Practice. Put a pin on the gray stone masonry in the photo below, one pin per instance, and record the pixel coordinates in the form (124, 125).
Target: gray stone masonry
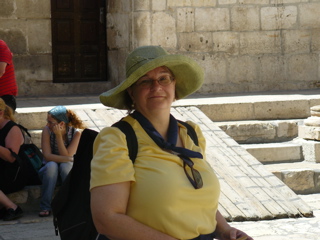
(244, 46)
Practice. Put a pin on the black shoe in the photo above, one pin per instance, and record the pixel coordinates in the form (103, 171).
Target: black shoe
(13, 214)
(2, 212)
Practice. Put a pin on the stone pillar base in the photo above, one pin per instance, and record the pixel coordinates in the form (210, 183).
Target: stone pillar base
(309, 132)
(311, 151)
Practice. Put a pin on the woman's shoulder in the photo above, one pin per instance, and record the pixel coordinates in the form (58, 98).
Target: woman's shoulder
(10, 124)
(11, 128)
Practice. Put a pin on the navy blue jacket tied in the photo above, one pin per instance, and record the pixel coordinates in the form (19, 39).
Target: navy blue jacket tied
(172, 136)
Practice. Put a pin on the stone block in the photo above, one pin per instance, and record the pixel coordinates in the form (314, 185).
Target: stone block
(36, 137)
(219, 19)
(7, 9)
(313, 121)
(141, 5)
(260, 42)
(34, 192)
(228, 112)
(118, 34)
(315, 40)
(117, 71)
(317, 180)
(33, 9)
(300, 181)
(287, 1)
(245, 18)
(39, 37)
(311, 151)
(296, 41)
(272, 71)
(32, 68)
(242, 69)
(159, 5)
(227, 42)
(275, 153)
(287, 129)
(204, 3)
(309, 15)
(19, 197)
(120, 6)
(294, 109)
(215, 67)
(249, 131)
(222, 2)
(32, 121)
(185, 19)
(253, 2)
(308, 132)
(278, 174)
(275, 18)
(191, 3)
(164, 30)
(16, 40)
(195, 42)
(142, 23)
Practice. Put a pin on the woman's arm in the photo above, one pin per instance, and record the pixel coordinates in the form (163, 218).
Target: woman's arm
(225, 232)
(72, 147)
(3, 66)
(108, 207)
(13, 141)
(46, 149)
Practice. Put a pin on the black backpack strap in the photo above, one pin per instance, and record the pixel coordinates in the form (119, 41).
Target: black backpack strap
(191, 132)
(132, 141)
(131, 138)
(24, 129)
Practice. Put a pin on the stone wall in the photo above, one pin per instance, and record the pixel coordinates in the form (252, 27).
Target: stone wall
(243, 45)
(25, 25)
(26, 28)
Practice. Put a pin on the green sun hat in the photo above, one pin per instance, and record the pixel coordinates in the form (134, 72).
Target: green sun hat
(188, 74)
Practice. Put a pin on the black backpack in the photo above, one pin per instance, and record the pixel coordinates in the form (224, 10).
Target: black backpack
(30, 158)
(71, 205)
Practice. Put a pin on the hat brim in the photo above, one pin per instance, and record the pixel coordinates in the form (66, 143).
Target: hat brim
(187, 72)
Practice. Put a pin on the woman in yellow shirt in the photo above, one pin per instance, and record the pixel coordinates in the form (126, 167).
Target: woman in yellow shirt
(170, 192)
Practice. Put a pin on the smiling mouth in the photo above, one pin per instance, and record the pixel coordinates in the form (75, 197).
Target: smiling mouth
(157, 96)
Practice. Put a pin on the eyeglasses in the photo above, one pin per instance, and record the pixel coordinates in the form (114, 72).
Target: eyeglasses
(147, 83)
(195, 177)
(51, 123)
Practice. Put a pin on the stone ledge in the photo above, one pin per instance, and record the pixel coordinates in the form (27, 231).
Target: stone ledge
(26, 194)
(302, 178)
(28, 198)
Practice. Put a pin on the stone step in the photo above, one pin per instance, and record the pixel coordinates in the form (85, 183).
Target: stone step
(301, 177)
(283, 152)
(296, 150)
(219, 108)
(28, 198)
(36, 137)
(263, 131)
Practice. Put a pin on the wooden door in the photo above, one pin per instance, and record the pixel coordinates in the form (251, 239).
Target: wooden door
(78, 40)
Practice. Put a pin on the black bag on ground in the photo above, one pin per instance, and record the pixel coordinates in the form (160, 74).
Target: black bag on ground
(72, 217)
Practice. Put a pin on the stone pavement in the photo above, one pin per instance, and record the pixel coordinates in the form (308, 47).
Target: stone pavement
(32, 227)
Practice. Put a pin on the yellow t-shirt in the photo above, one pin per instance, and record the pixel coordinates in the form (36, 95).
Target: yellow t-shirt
(161, 195)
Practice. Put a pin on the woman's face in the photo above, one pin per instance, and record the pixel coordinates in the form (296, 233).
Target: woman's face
(153, 91)
(51, 122)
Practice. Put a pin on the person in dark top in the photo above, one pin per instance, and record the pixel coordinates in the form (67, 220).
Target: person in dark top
(11, 173)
